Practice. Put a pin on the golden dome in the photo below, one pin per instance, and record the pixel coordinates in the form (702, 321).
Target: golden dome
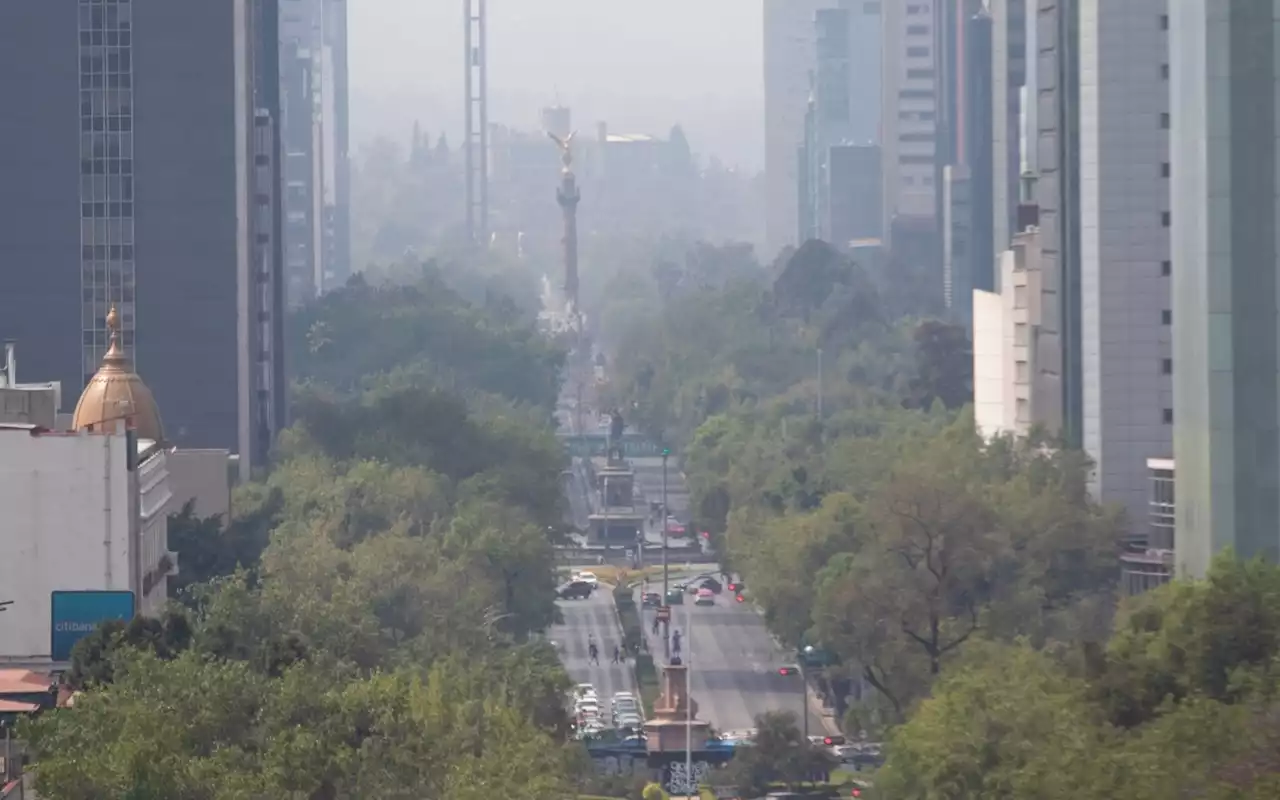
(117, 393)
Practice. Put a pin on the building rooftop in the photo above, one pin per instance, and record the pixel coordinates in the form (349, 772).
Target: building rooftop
(629, 138)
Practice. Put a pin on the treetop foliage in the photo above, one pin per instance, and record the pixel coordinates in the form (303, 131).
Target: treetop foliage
(366, 622)
(1180, 702)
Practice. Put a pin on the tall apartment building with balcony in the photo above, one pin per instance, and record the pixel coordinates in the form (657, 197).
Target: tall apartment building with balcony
(315, 136)
(141, 180)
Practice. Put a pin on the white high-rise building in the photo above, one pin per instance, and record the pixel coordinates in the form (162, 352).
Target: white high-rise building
(1124, 207)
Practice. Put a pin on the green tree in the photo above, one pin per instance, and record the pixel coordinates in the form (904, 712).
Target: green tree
(1215, 638)
(780, 754)
(93, 657)
(1007, 725)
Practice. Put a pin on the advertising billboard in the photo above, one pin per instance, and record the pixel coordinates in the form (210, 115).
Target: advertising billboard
(76, 614)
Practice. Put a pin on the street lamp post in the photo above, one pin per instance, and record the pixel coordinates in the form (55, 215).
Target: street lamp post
(665, 577)
(688, 697)
(804, 692)
(604, 534)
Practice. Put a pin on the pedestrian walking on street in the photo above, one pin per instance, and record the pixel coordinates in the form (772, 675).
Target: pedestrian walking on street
(656, 623)
(617, 654)
(593, 653)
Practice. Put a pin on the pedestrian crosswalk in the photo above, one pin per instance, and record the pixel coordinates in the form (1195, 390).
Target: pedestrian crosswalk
(592, 621)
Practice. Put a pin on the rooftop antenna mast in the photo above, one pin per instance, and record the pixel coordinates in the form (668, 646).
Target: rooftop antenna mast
(477, 123)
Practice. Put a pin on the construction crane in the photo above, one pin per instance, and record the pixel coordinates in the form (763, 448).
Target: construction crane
(477, 123)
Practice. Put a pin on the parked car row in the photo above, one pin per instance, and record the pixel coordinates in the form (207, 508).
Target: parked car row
(588, 717)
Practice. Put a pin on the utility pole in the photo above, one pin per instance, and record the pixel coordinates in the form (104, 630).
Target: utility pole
(477, 122)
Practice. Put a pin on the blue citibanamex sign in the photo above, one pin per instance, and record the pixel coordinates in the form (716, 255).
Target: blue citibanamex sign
(76, 614)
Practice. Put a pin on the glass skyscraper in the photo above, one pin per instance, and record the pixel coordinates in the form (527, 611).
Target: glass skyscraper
(1226, 353)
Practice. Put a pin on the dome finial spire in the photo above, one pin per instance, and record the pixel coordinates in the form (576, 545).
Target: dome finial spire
(114, 355)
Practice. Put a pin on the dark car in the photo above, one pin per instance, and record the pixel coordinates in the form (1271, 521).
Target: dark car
(651, 600)
(712, 584)
(575, 590)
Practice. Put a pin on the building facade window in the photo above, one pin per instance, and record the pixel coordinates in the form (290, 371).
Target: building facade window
(1167, 416)
(105, 55)
(1165, 169)
(1166, 366)
(1166, 268)
(1166, 218)
(1166, 316)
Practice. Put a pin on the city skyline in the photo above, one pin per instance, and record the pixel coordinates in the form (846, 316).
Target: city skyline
(406, 66)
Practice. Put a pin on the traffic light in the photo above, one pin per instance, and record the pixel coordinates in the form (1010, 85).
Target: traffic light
(666, 451)
(786, 671)
(828, 741)
(735, 586)
(740, 599)
(855, 792)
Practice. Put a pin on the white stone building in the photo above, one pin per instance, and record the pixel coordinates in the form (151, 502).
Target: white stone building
(1015, 379)
(83, 511)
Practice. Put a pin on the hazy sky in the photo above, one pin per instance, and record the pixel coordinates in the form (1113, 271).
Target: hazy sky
(641, 65)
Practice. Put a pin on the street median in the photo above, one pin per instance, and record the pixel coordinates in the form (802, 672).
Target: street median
(633, 639)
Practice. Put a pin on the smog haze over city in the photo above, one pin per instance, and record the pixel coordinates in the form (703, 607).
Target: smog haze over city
(639, 399)
(643, 65)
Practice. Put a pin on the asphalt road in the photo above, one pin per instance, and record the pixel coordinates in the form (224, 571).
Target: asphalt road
(582, 620)
(734, 664)
(649, 484)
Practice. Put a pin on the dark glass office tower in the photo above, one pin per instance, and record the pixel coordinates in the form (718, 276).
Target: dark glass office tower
(316, 171)
(140, 179)
(979, 137)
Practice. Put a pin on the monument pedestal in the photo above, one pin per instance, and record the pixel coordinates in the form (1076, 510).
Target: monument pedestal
(670, 729)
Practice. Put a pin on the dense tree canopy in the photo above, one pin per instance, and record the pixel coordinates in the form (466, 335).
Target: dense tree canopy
(1182, 702)
(364, 624)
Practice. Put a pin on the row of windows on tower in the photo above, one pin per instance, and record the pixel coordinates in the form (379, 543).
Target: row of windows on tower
(113, 123)
(98, 80)
(115, 61)
(100, 38)
(98, 294)
(98, 338)
(106, 166)
(105, 210)
(103, 252)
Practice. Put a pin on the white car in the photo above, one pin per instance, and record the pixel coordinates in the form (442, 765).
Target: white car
(587, 577)
(629, 721)
(623, 709)
(623, 696)
(584, 689)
